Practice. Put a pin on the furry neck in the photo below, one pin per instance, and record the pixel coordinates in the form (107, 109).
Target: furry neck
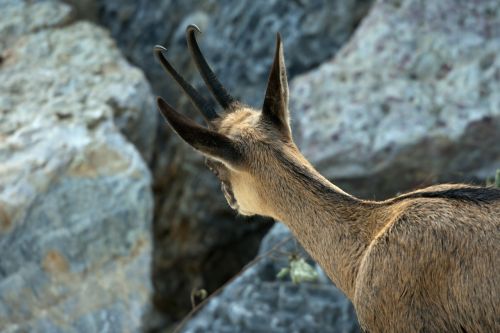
(333, 226)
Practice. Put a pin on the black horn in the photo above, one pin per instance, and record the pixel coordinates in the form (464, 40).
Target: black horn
(204, 106)
(216, 88)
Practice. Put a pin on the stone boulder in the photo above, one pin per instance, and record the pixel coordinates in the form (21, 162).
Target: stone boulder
(257, 301)
(198, 242)
(238, 38)
(411, 100)
(75, 195)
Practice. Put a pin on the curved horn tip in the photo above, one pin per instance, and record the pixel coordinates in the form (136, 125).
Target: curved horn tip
(193, 27)
(278, 37)
(159, 48)
(158, 51)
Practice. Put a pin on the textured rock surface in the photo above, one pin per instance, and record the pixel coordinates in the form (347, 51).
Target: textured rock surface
(75, 197)
(312, 32)
(194, 224)
(22, 17)
(124, 92)
(258, 302)
(412, 99)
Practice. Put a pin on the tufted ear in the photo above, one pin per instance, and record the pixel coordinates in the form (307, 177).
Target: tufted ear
(208, 142)
(275, 108)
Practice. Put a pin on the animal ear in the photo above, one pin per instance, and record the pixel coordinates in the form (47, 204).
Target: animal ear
(275, 108)
(208, 142)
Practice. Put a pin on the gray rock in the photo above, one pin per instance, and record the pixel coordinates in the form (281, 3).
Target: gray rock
(199, 243)
(125, 95)
(75, 195)
(22, 17)
(256, 301)
(139, 25)
(412, 99)
(238, 38)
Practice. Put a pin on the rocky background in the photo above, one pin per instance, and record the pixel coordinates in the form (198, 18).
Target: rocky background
(200, 243)
(259, 301)
(76, 204)
(108, 222)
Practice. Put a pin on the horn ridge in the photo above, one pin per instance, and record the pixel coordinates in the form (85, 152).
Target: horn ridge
(213, 84)
(204, 106)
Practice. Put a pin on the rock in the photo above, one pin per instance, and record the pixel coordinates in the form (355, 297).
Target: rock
(127, 95)
(256, 301)
(199, 243)
(22, 17)
(238, 38)
(139, 25)
(241, 37)
(410, 100)
(75, 195)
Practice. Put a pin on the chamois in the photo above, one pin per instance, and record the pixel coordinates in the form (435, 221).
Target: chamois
(425, 261)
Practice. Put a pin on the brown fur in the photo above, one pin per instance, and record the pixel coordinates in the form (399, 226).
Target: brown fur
(426, 261)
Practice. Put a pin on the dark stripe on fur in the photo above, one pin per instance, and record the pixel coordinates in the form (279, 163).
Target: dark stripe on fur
(476, 195)
(310, 180)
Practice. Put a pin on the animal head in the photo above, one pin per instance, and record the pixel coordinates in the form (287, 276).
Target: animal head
(241, 144)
